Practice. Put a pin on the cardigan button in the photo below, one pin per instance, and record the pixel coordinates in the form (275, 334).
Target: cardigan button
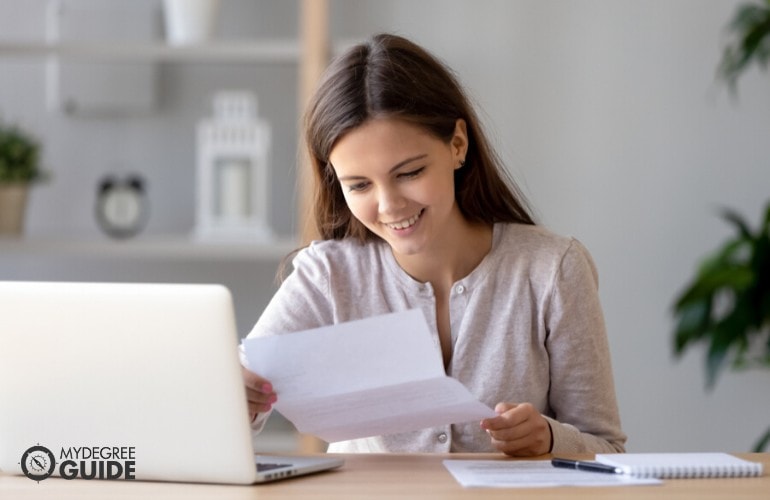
(459, 289)
(442, 438)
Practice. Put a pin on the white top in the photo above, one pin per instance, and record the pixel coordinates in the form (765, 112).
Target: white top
(527, 326)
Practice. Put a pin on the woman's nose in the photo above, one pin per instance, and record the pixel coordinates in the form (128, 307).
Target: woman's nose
(390, 200)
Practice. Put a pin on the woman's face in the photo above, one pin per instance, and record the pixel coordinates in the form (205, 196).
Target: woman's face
(398, 181)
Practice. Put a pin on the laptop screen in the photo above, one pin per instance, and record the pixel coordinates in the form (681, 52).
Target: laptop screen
(151, 369)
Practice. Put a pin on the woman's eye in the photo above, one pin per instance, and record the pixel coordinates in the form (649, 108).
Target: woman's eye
(412, 173)
(360, 186)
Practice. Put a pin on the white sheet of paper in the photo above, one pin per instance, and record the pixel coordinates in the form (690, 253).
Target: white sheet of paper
(531, 474)
(375, 376)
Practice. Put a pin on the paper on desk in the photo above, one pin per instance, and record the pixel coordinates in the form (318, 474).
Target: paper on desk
(370, 377)
(531, 474)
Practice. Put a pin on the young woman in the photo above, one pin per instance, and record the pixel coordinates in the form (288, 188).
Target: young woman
(415, 211)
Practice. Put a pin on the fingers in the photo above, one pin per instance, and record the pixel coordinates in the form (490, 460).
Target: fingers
(505, 417)
(518, 430)
(259, 393)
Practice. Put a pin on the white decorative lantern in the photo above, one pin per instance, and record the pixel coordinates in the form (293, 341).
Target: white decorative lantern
(233, 189)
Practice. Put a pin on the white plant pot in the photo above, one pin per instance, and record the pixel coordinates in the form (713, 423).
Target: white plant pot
(189, 21)
(13, 202)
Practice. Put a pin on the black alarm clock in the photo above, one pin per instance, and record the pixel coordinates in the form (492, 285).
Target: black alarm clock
(122, 207)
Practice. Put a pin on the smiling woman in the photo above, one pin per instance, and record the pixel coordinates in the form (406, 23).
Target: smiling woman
(390, 77)
(398, 181)
(415, 210)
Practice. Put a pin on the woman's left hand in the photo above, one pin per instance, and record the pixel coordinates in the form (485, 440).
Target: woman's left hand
(519, 430)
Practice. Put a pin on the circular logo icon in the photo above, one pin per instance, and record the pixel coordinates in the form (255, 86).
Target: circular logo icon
(37, 463)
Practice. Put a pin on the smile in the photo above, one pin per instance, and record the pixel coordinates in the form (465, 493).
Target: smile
(404, 224)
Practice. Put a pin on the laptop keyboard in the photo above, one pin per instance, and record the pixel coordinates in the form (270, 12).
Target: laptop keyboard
(262, 467)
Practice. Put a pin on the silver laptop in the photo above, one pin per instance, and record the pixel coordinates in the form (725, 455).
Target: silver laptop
(127, 381)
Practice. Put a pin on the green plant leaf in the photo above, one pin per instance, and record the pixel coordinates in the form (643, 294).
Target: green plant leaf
(708, 283)
(19, 155)
(738, 222)
(766, 223)
(715, 358)
(727, 304)
(732, 252)
(762, 442)
(750, 28)
(694, 323)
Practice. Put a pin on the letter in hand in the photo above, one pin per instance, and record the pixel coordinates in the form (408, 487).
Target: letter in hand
(259, 393)
(518, 430)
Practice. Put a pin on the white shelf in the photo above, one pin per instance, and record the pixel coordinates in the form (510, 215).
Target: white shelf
(263, 51)
(145, 247)
(309, 51)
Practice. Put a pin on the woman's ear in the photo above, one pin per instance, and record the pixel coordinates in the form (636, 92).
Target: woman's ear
(459, 142)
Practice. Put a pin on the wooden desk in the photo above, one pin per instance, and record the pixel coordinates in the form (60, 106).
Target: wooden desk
(375, 476)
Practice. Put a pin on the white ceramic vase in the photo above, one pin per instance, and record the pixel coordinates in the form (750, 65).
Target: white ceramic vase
(189, 21)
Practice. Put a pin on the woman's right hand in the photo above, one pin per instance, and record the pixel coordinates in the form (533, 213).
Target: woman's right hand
(259, 393)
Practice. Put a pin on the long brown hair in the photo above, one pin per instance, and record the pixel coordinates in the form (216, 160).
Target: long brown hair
(390, 76)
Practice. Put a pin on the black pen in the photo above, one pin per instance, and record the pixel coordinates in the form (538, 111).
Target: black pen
(586, 466)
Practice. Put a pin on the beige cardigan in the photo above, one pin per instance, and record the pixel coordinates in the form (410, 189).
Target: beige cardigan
(527, 326)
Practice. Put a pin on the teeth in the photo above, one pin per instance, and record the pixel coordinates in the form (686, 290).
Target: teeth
(404, 223)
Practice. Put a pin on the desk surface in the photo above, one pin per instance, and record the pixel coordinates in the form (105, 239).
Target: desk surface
(380, 476)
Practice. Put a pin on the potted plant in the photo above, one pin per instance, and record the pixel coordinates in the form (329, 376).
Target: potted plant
(19, 167)
(727, 303)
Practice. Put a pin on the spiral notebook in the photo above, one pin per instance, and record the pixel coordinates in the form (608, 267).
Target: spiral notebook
(681, 465)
